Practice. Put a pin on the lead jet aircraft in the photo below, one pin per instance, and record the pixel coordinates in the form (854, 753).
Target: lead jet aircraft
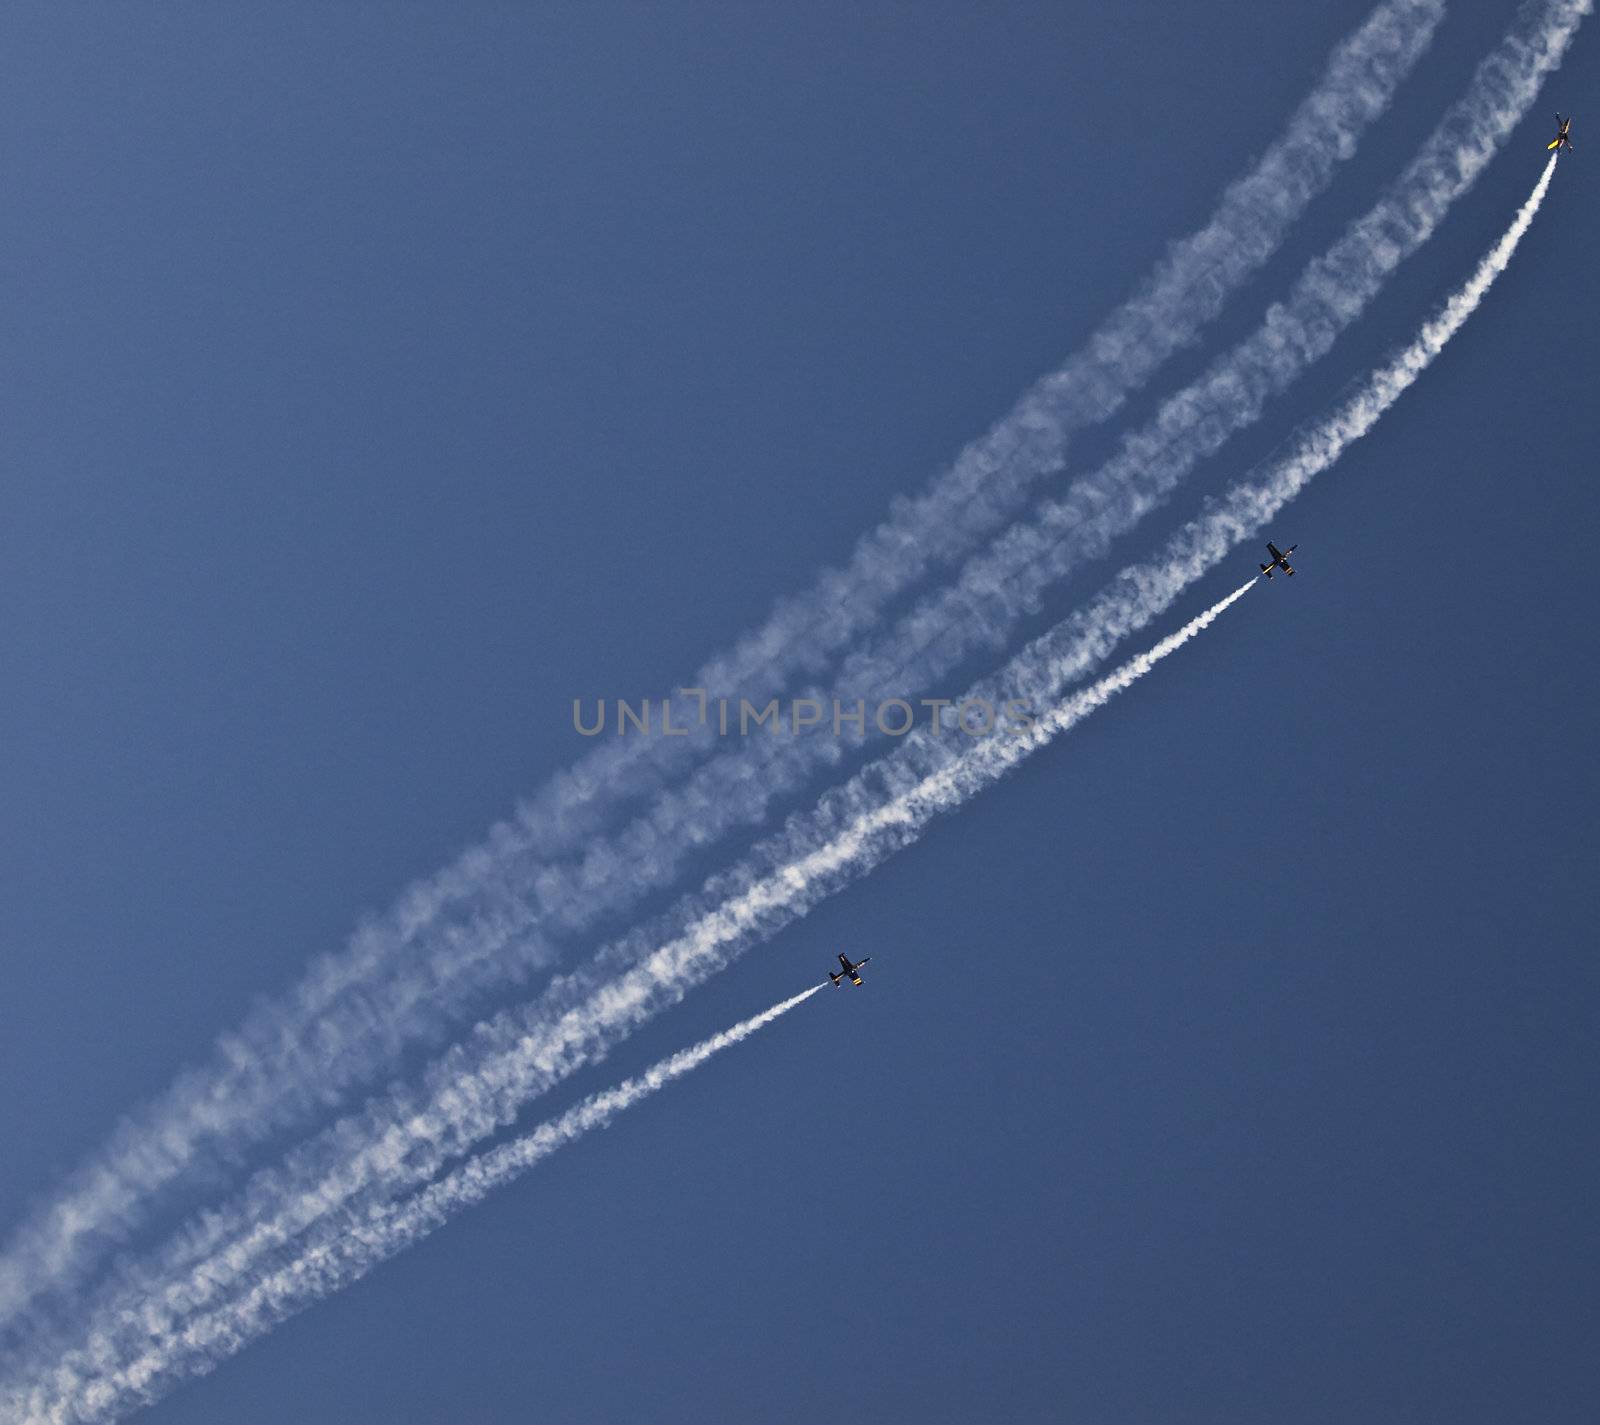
(1280, 559)
(1561, 140)
(853, 971)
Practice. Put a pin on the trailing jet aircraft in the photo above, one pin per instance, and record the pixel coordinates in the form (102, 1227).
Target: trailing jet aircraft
(853, 971)
(1561, 140)
(1280, 559)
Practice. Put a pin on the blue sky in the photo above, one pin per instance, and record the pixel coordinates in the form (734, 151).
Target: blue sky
(382, 379)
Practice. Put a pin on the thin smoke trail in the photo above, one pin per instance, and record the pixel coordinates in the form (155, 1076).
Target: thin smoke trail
(993, 475)
(354, 1012)
(386, 1230)
(76, 1386)
(1245, 509)
(801, 868)
(751, 907)
(736, 788)
(1008, 582)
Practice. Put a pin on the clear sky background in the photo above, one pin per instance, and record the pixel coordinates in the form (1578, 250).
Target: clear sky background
(380, 378)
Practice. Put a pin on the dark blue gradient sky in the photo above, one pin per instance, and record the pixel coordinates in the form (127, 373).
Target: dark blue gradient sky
(380, 378)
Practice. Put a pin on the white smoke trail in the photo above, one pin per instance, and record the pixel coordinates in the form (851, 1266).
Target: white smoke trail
(993, 475)
(408, 976)
(1006, 583)
(518, 1055)
(738, 786)
(855, 828)
(155, 1325)
(385, 1231)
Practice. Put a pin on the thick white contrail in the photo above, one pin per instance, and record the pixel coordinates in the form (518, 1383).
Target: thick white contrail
(1008, 581)
(384, 1231)
(152, 1323)
(991, 476)
(1209, 540)
(855, 828)
(406, 977)
(737, 787)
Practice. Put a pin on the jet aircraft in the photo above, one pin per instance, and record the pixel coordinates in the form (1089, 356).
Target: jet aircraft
(1561, 140)
(1280, 559)
(853, 971)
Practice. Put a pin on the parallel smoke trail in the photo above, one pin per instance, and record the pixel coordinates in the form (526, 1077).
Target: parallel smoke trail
(1009, 581)
(517, 1055)
(385, 1231)
(1245, 510)
(992, 476)
(856, 827)
(155, 1327)
(407, 977)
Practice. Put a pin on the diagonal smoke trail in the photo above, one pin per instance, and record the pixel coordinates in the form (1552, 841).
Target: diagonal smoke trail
(385, 1231)
(853, 829)
(737, 787)
(991, 476)
(154, 1332)
(1246, 509)
(406, 977)
(1008, 582)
